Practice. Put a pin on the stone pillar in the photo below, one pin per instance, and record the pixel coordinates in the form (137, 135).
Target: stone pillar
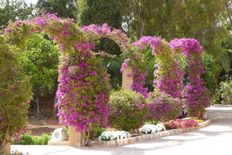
(7, 148)
(74, 137)
(127, 78)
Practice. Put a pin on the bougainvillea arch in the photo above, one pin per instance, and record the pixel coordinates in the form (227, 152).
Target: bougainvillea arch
(168, 75)
(196, 92)
(83, 89)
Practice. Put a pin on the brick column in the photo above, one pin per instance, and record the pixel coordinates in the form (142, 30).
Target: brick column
(74, 137)
(127, 78)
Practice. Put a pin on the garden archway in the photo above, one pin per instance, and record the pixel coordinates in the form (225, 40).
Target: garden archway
(168, 73)
(83, 89)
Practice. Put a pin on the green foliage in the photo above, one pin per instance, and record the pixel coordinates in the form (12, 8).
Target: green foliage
(113, 65)
(62, 8)
(100, 12)
(11, 10)
(149, 59)
(127, 110)
(184, 66)
(96, 131)
(40, 62)
(205, 20)
(197, 19)
(226, 58)
(226, 92)
(15, 91)
(212, 69)
(28, 139)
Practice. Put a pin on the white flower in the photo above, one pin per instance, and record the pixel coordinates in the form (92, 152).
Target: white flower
(160, 127)
(150, 128)
(114, 135)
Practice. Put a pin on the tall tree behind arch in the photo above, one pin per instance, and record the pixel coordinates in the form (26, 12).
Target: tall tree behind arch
(100, 12)
(62, 8)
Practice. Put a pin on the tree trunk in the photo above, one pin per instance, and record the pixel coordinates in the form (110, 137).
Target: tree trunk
(141, 29)
(2, 146)
(54, 107)
(37, 105)
(5, 146)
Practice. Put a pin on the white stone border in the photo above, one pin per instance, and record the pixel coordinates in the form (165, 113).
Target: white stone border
(146, 137)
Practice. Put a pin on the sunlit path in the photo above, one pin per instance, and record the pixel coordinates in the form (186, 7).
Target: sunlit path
(215, 139)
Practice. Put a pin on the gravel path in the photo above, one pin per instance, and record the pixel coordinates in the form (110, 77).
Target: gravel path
(215, 139)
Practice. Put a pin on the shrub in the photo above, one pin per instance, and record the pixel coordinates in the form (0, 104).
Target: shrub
(226, 92)
(15, 93)
(163, 107)
(28, 139)
(127, 110)
(96, 131)
(178, 123)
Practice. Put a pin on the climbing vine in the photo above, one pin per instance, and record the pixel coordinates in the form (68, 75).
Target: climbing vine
(168, 74)
(196, 91)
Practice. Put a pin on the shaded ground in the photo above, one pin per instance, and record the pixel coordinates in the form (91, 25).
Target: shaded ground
(38, 127)
(215, 139)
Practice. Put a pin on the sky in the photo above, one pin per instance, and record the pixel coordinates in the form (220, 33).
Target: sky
(31, 1)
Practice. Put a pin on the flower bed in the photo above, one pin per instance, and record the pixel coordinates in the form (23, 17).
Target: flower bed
(146, 137)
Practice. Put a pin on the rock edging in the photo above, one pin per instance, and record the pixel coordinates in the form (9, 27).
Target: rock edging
(145, 137)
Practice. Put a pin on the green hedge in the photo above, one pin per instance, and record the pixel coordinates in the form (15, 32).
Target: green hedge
(28, 139)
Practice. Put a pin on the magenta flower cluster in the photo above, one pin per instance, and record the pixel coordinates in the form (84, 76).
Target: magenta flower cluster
(186, 45)
(95, 32)
(163, 107)
(125, 65)
(171, 83)
(139, 77)
(78, 103)
(181, 124)
(154, 42)
(158, 110)
(196, 91)
(99, 30)
(168, 73)
(139, 81)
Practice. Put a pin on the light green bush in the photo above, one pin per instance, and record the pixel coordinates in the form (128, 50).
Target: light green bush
(128, 110)
(28, 139)
(226, 92)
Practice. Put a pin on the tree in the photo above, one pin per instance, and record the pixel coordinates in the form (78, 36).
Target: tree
(40, 62)
(100, 12)
(15, 93)
(202, 19)
(62, 8)
(205, 20)
(11, 10)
